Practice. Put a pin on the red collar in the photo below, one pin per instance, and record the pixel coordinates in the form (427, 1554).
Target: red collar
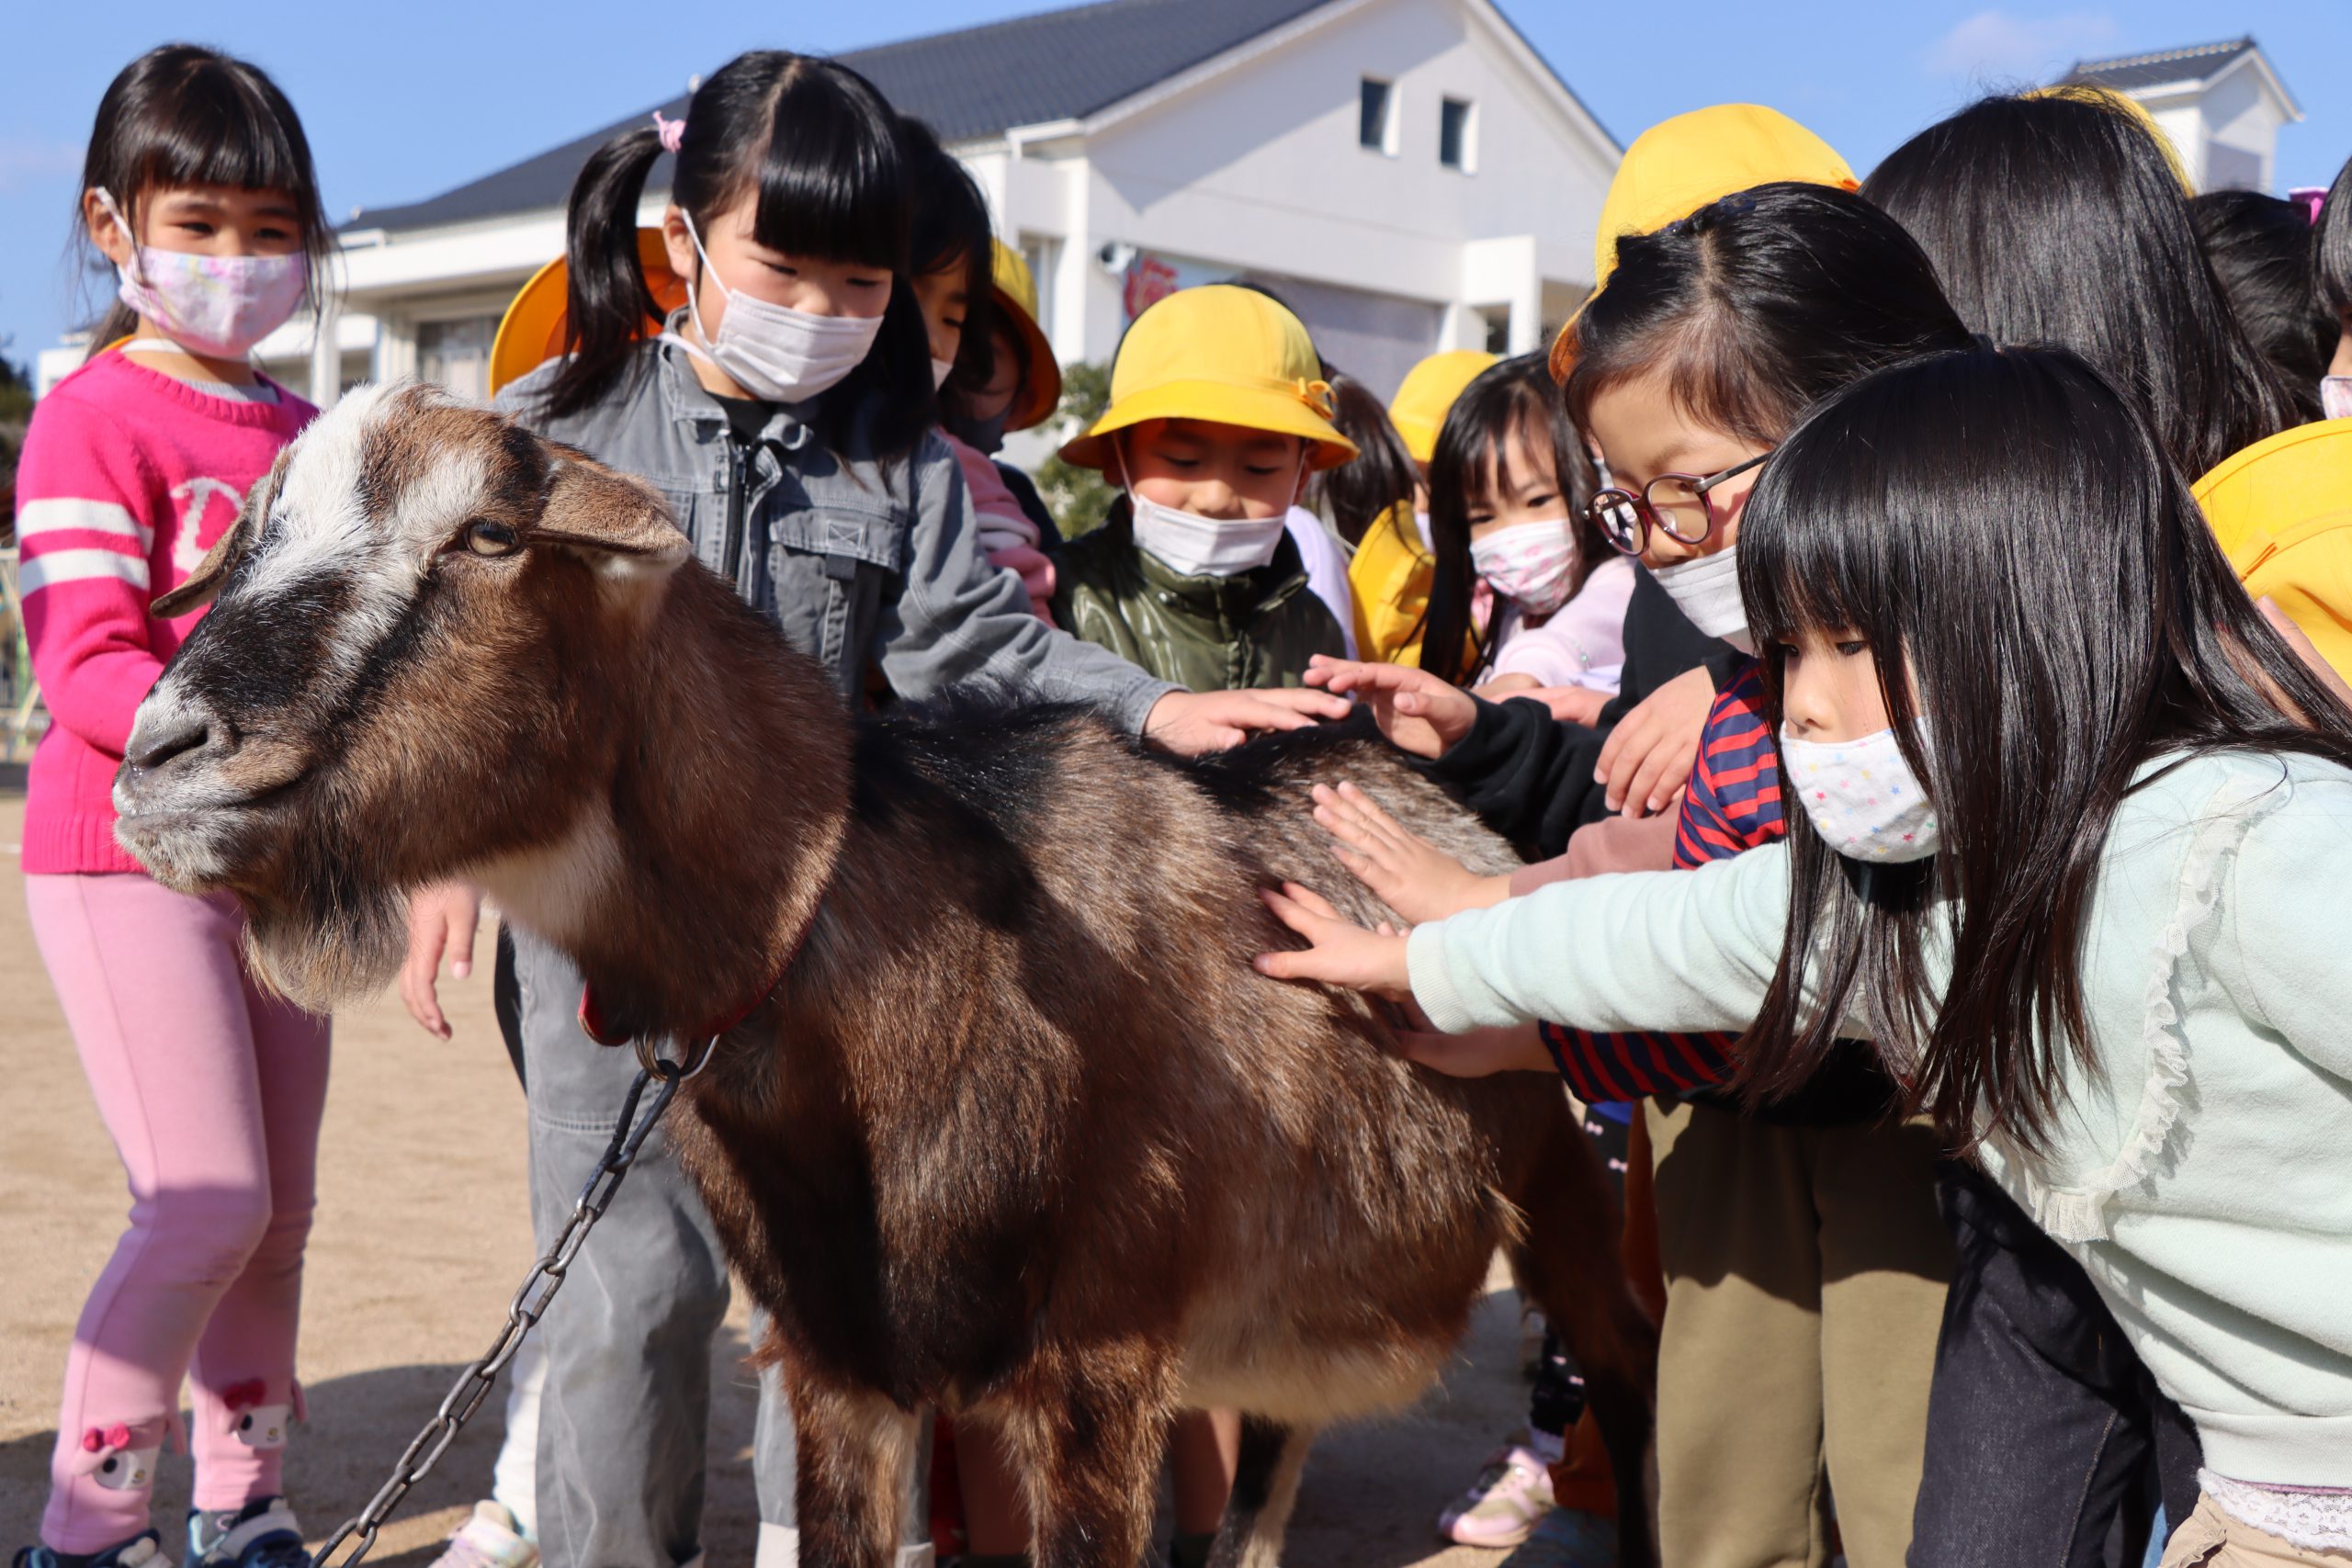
(592, 1016)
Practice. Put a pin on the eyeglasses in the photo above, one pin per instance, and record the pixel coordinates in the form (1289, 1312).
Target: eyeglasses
(1674, 504)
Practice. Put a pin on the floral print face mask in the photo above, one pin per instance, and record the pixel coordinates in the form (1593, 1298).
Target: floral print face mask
(216, 306)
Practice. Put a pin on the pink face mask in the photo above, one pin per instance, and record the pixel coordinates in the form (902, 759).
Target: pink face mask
(2336, 396)
(216, 306)
(1528, 563)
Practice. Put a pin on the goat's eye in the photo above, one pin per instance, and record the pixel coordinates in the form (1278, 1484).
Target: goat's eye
(487, 538)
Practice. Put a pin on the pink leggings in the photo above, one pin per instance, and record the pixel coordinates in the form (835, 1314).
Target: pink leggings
(211, 1089)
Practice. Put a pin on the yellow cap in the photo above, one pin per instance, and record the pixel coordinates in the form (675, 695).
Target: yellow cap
(1225, 354)
(531, 333)
(2281, 494)
(1016, 296)
(1427, 394)
(1678, 165)
(2091, 93)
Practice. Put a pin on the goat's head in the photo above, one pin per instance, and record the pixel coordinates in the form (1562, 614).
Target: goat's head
(400, 680)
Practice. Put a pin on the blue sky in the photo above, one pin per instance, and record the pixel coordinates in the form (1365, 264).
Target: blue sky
(406, 99)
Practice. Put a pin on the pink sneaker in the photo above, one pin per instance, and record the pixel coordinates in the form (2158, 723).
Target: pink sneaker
(1502, 1505)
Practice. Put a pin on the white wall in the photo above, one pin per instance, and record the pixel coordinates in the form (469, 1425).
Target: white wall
(1257, 169)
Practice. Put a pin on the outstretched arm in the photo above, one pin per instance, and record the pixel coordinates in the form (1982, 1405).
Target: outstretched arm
(1685, 949)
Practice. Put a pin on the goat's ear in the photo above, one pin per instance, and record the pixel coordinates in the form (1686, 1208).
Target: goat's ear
(203, 584)
(620, 522)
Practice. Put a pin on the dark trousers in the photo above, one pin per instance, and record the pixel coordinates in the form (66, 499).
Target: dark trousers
(2049, 1446)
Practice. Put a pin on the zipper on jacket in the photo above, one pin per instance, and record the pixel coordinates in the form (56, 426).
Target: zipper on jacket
(732, 542)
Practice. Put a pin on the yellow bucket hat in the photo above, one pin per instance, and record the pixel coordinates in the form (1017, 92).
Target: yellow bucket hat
(1225, 354)
(1428, 392)
(1016, 296)
(531, 333)
(2283, 512)
(1678, 165)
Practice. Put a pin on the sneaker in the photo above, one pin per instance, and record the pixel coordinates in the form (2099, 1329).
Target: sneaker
(144, 1550)
(1567, 1538)
(1503, 1504)
(262, 1534)
(491, 1538)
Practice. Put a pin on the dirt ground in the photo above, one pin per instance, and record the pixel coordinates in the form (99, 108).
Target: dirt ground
(420, 1238)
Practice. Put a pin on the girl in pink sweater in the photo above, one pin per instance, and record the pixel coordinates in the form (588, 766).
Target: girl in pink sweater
(198, 187)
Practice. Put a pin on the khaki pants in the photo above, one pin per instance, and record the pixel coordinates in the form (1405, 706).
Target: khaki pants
(2212, 1539)
(1805, 1273)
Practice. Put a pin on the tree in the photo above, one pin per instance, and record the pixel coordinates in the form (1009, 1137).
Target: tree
(16, 408)
(1077, 497)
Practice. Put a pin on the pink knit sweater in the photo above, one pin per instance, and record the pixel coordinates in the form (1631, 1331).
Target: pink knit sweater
(126, 479)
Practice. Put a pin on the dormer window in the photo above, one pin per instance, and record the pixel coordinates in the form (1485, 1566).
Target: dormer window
(1377, 116)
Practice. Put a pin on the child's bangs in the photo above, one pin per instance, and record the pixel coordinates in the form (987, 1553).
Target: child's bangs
(219, 128)
(831, 181)
(1817, 548)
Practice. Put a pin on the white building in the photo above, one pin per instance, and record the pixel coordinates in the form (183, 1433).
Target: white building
(1409, 175)
(2220, 103)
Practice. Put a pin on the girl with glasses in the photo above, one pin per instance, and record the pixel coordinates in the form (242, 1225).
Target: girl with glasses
(1804, 1259)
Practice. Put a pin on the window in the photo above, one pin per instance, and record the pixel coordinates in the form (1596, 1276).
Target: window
(1376, 117)
(456, 354)
(1457, 145)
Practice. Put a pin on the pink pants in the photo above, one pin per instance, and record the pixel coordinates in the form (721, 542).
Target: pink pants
(211, 1090)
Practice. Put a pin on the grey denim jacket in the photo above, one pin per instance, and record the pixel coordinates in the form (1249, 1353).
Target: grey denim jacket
(853, 560)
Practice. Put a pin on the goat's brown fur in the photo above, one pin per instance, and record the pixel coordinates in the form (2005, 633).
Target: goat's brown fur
(1020, 1132)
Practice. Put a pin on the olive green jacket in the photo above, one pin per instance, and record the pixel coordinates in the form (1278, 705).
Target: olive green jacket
(1207, 634)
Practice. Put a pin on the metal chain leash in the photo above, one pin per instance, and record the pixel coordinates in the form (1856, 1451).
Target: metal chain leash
(538, 1288)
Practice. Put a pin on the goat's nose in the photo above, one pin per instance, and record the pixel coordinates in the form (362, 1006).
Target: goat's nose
(154, 747)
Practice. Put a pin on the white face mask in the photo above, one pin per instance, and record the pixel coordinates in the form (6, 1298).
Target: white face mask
(1528, 563)
(1192, 546)
(774, 351)
(216, 306)
(2336, 396)
(1706, 589)
(1862, 797)
(1421, 523)
(940, 370)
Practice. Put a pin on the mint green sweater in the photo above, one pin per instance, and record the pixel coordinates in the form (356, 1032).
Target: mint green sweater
(2200, 1166)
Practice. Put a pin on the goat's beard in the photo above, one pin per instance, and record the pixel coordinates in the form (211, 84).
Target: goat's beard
(319, 958)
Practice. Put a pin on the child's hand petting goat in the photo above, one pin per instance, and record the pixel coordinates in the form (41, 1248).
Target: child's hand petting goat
(1407, 871)
(1341, 953)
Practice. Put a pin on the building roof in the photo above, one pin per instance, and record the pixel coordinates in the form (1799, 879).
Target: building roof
(968, 83)
(2126, 72)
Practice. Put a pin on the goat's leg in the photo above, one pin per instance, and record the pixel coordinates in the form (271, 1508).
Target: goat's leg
(1265, 1484)
(854, 1449)
(1089, 1426)
(1571, 1261)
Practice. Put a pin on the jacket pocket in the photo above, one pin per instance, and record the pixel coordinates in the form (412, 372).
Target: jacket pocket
(845, 526)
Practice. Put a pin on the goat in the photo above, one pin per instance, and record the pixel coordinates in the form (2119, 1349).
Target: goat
(1012, 1127)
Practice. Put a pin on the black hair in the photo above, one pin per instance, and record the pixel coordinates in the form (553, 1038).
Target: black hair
(2059, 219)
(2332, 247)
(1936, 509)
(183, 115)
(952, 229)
(1759, 305)
(818, 147)
(1475, 442)
(2260, 248)
(1378, 479)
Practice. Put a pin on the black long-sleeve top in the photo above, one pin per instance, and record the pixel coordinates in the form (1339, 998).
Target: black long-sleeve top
(1530, 776)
